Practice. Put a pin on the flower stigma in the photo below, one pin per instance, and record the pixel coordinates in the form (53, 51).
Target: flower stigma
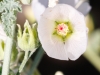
(62, 29)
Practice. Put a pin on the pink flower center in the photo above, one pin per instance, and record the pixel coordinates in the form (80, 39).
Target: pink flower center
(62, 29)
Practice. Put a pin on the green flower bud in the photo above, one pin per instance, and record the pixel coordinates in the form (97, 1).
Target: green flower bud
(2, 44)
(28, 40)
(26, 1)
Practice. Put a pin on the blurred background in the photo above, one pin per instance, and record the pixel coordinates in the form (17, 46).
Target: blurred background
(89, 62)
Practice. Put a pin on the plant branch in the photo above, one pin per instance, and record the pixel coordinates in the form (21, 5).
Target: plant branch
(79, 3)
(24, 61)
(36, 61)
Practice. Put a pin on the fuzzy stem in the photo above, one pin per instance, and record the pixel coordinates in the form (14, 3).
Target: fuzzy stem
(52, 3)
(7, 53)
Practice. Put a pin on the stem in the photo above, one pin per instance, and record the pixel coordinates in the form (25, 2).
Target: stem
(52, 3)
(79, 3)
(36, 61)
(24, 61)
(7, 54)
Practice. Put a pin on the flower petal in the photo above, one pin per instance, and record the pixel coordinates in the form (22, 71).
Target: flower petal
(53, 46)
(76, 18)
(76, 45)
(54, 14)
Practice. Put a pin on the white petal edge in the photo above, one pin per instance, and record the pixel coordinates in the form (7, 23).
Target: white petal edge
(76, 45)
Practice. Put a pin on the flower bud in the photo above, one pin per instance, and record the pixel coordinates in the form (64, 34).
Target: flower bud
(27, 40)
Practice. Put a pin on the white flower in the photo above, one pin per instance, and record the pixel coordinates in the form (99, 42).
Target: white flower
(62, 32)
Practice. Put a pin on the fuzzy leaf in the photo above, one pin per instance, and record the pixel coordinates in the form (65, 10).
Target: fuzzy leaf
(9, 8)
